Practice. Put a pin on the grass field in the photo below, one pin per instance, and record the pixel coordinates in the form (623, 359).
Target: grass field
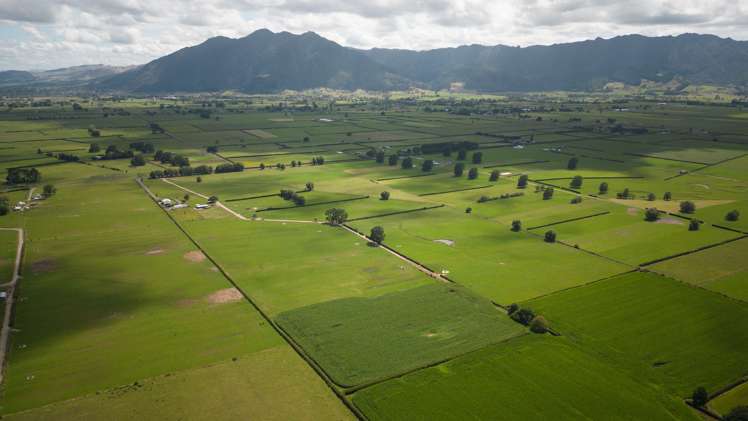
(360, 340)
(724, 403)
(538, 375)
(657, 328)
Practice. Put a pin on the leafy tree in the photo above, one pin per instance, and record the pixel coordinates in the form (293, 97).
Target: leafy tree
(625, 194)
(298, 200)
(407, 163)
(23, 176)
(651, 214)
(459, 169)
(494, 175)
(477, 157)
(576, 182)
(468, 210)
(687, 207)
(392, 160)
(212, 199)
(522, 181)
(576, 200)
(94, 148)
(186, 197)
(523, 315)
(306, 139)
(539, 324)
(212, 149)
(694, 225)
(603, 189)
(667, 196)
(573, 163)
(380, 157)
(512, 308)
(473, 173)
(548, 194)
(699, 397)
(49, 190)
(309, 186)
(651, 197)
(428, 165)
(516, 225)
(199, 179)
(4, 205)
(377, 235)
(336, 216)
(550, 236)
(733, 215)
(739, 413)
(385, 195)
(461, 154)
(137, 161)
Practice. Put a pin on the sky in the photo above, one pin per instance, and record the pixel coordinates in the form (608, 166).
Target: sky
(47, 34)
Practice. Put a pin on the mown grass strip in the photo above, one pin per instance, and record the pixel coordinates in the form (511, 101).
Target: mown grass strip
(404, 176)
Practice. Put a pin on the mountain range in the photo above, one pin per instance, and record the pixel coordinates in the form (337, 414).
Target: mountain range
(265, 62)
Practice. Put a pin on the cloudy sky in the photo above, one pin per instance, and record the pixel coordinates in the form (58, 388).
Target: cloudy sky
(44, 34)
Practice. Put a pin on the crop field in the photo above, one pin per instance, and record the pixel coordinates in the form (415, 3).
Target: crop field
(449, 256)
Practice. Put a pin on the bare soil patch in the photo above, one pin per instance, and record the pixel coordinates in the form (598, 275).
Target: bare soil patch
(153, 252)
(196, 256)
(228, 295)
(447, 242)
(632, 211)
(670, 221)
(43, 266)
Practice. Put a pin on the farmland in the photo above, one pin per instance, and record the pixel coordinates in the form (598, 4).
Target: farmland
(216, 257)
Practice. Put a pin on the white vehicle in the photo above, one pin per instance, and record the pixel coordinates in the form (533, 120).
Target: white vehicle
(201, 206)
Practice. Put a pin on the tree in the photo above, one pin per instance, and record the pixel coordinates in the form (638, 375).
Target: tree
(407, 163)
(477, 157)
(473, 173)
(379, 157)
(651, 197)
(377, 235)
(512, 308)
(739, 413)
(49, 190)
(733, 215)
(306, 139)
(576, 200)
(538, 324)
(199, 179)
(298, 200)
(461, 154)
(137, 161)
(573, 163)
(548, 194)
(603, 189)
(651, 214)
(385, 195)
(459, 169)
(694, 225)
(4, 205)
(392, 160)
(494, 176)
(516, 225)
(699, 397)
(522, 182)
(687, 207)
(625, 194)
(94, 148)
(468, 210)
(667, 196)
(212, 199)
(550, 237)
(428, 165)
(186, 197)
(576, 182)
(309, 186)
(336, 216)
(523, 315)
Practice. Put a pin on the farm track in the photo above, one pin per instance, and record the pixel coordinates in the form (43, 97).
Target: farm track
(219, 204)
(10, 300)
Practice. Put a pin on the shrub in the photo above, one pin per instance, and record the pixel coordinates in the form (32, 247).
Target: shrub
(137, 161)
(212, 199)
(385, 195)
(473, 173)
(512, 308)
(548, 194)
(733, 215)
(651, 214)
(494, 176)
(576, 200)
(651, 197)
(603, 189)
(522, 181)
(694, 225)
(523, 315)
(49, 190)
(550, 237)
(687, 207)
(459, 169)
(667, 196)
(309, 186)
(699, 397)
(539, 325)
(468, 210)
(516, 225)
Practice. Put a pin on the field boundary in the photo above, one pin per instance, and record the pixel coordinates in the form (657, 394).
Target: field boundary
(396, 213)
(579, 218)
(404, 176)
(456, 190)
(312, 204)
(512, 164)
(696, 250)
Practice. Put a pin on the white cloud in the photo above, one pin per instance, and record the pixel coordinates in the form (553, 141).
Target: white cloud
(68, 32)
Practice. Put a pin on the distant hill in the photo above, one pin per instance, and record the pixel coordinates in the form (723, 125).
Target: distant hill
(270, 62)
(260, 62)
(69, 77)
(15, 76)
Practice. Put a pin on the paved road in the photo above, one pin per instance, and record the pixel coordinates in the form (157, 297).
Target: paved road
(11, 287)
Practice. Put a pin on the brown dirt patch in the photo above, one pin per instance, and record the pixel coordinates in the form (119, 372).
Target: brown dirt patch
(187, 302)
(196, 256)
(228, 295)
(153, 252)
(44, 265)
(632, 211)
(670, 221)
